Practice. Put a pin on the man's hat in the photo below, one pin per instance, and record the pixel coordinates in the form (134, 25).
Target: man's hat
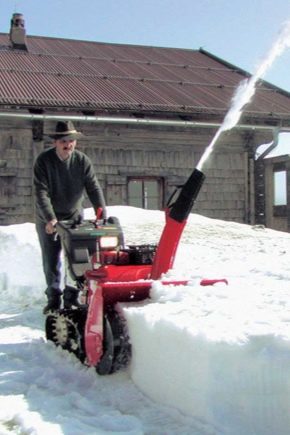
(65, 130)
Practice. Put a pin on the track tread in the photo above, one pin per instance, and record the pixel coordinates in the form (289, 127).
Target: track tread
(65, 328)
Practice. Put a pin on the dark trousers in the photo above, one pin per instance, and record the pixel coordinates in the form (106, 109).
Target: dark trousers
(51, 252)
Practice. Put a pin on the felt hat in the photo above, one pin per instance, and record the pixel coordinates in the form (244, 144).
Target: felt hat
(65, 130)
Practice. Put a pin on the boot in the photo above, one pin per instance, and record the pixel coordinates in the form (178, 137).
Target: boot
(70, 297)
(53, 303)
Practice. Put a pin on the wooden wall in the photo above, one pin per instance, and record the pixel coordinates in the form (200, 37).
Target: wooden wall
(118, 151)
(16, 159)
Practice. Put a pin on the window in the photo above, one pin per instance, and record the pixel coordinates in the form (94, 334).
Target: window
(145, 192)
(280, 188)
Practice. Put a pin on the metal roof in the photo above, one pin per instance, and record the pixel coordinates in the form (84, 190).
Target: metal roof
(85, 75)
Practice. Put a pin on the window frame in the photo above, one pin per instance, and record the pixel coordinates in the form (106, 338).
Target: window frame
(279, 210)
(142, 179)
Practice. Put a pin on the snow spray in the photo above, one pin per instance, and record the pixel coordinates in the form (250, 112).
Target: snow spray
(246, 89)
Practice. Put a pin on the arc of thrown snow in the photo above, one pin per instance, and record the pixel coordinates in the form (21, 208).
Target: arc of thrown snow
(246, 90)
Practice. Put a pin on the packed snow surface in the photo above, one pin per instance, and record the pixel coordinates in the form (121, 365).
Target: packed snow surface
(211, 360)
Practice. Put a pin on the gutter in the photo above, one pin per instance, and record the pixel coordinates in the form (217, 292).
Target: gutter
(271, 146)
(131, 121)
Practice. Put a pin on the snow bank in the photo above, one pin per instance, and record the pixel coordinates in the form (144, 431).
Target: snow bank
(207, 367)
(219, 355)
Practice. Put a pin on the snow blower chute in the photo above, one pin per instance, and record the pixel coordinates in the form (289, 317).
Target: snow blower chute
(106, 272)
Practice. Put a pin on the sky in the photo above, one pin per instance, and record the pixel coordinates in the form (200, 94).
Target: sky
(206, 360)
(240, 32)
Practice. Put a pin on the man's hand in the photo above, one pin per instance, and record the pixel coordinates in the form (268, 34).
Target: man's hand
(50, 226)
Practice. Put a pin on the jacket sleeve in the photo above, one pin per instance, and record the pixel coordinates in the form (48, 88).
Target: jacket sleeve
(93, 188)
(44, 207)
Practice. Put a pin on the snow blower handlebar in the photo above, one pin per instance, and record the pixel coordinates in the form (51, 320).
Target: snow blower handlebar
(176, 215)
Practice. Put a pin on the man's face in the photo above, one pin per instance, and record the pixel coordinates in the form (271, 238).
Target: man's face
(65, 147)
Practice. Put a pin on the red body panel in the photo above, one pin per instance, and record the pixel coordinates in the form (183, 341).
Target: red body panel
(108, 285)
(165, 254)
(94, 325)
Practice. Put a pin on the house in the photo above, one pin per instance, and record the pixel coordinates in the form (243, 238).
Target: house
(147, 113)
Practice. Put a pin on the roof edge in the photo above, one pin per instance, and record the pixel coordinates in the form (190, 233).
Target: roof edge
(244, 72)
(91, 41)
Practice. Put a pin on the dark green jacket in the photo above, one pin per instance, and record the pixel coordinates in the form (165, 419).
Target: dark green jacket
(60, 186)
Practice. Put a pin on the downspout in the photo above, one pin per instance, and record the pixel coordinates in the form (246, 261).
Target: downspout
(258, 185)
(272, 145)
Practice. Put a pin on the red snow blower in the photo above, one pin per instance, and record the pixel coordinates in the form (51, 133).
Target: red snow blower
(107, 272)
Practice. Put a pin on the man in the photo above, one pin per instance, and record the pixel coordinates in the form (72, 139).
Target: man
(61, 176)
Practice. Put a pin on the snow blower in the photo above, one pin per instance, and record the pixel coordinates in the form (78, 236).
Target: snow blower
(107, 272)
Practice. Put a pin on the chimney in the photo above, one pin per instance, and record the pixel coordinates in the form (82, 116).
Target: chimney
(17, 32)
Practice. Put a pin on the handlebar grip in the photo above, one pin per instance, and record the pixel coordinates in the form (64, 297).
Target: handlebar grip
(99, 213)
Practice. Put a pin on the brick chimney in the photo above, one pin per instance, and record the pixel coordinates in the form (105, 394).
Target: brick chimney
(18, 32)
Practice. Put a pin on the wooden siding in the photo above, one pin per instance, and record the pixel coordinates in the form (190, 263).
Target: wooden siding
(119, 151)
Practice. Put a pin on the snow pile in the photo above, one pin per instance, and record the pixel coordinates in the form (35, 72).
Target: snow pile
(206, 360)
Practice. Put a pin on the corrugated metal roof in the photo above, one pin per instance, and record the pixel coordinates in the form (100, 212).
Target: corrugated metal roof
(90, 75)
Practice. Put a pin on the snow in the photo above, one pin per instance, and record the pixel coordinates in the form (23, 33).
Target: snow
(209, 360)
